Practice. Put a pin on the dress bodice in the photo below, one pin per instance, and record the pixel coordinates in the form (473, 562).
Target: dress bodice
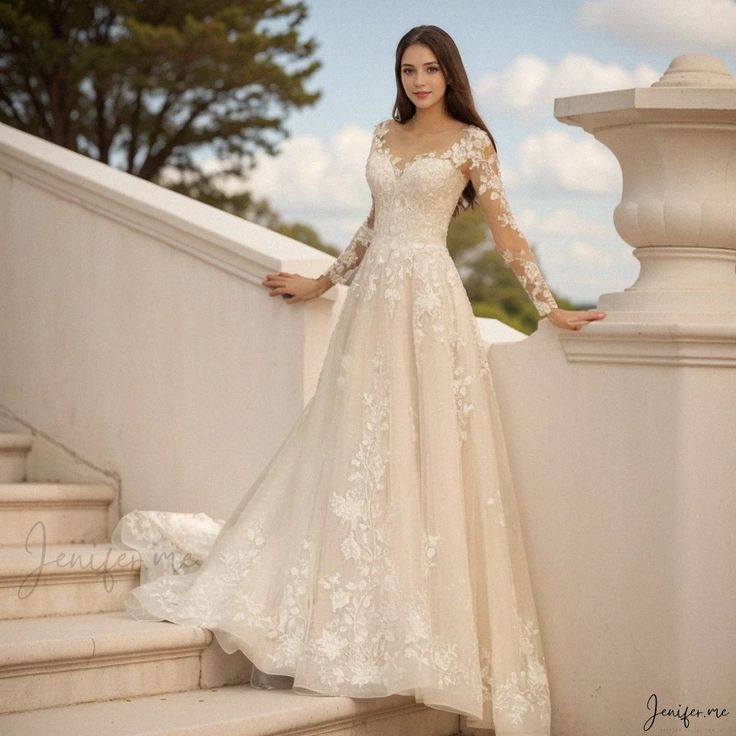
(415, 200)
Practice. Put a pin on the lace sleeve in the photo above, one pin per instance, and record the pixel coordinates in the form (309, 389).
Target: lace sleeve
(346, 264)
(510, 241)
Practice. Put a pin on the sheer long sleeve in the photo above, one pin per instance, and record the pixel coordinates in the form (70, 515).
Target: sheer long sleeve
(510, 241)
(346, 264)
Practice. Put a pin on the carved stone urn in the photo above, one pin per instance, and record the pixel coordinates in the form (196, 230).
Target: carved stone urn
(676, 144)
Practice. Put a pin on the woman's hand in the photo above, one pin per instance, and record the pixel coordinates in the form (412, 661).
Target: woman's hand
(570, 319)
(295, 288)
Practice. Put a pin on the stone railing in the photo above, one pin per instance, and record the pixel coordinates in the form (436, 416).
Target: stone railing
(137, 340)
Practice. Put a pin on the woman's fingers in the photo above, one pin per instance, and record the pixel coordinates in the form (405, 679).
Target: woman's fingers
(585, 319)
(588, 317)
(285, 285)
(578, 320)
(281, 291)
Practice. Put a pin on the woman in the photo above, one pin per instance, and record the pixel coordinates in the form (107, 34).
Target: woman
(379, 551)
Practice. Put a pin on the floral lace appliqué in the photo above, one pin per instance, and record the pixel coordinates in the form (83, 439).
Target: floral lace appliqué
(345, 265)
(522, 693)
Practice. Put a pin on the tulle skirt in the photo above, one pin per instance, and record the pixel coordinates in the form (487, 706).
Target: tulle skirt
(379, 550)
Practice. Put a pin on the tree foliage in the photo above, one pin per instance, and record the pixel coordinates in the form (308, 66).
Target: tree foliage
(149, 84)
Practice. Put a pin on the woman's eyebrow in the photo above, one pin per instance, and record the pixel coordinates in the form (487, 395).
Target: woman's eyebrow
(426, 63)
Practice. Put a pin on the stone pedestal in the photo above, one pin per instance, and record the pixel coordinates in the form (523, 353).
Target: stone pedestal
(676, 143)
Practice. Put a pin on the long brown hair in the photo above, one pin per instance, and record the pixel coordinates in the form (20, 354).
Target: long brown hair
(459, 101)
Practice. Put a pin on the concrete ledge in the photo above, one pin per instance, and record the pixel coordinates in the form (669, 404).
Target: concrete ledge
(236, 711)
(25, 643)
(63, 660)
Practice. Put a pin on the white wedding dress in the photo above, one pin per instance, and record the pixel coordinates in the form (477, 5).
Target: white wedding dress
(379, 551)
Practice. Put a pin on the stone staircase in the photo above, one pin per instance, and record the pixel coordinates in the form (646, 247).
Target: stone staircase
(72, 661)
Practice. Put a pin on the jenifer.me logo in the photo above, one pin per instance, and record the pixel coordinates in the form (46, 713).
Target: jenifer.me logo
(683, 713)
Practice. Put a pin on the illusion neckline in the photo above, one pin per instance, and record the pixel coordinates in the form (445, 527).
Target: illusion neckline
(398, 163)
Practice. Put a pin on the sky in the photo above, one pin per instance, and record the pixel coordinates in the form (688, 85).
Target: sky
(562, 184)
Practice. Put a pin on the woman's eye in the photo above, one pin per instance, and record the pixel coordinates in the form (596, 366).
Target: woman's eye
(433, 69)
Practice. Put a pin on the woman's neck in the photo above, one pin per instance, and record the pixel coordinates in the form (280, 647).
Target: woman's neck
(431, 120)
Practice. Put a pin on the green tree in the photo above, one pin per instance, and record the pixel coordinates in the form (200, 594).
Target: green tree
(154, 85)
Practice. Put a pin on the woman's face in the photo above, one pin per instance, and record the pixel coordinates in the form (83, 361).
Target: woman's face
(421, 76)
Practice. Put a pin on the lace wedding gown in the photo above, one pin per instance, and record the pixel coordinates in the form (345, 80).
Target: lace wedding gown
(379, 551)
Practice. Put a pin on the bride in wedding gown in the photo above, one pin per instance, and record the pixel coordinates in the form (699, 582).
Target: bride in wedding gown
(379, 551)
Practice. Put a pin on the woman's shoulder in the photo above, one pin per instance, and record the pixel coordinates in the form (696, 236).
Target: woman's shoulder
(382, 126)
(477, 133)
(478, 141)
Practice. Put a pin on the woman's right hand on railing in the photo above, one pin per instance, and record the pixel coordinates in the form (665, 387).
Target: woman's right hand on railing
(574, 319)
(295, 288)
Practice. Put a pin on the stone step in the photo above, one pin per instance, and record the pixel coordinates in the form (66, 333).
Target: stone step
(54, 513)
(63, 660)
(14, 449)
(237, 711)
(65, 579)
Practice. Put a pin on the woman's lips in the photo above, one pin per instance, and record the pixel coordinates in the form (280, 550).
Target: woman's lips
(422, 95)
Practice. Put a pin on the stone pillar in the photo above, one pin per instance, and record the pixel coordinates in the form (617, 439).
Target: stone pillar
(676, 143)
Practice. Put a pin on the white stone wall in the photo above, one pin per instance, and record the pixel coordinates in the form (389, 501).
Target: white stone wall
(136, 339)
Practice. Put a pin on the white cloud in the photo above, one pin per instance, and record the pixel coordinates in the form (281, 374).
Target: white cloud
(579, 257)
(586, 254)
(679, 25)
(583, 269)
(562, 222)
(553, 159)
(582, 257)
(530, 84)
(318, 181)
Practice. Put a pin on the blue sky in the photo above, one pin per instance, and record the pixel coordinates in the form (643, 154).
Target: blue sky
(520, 55)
